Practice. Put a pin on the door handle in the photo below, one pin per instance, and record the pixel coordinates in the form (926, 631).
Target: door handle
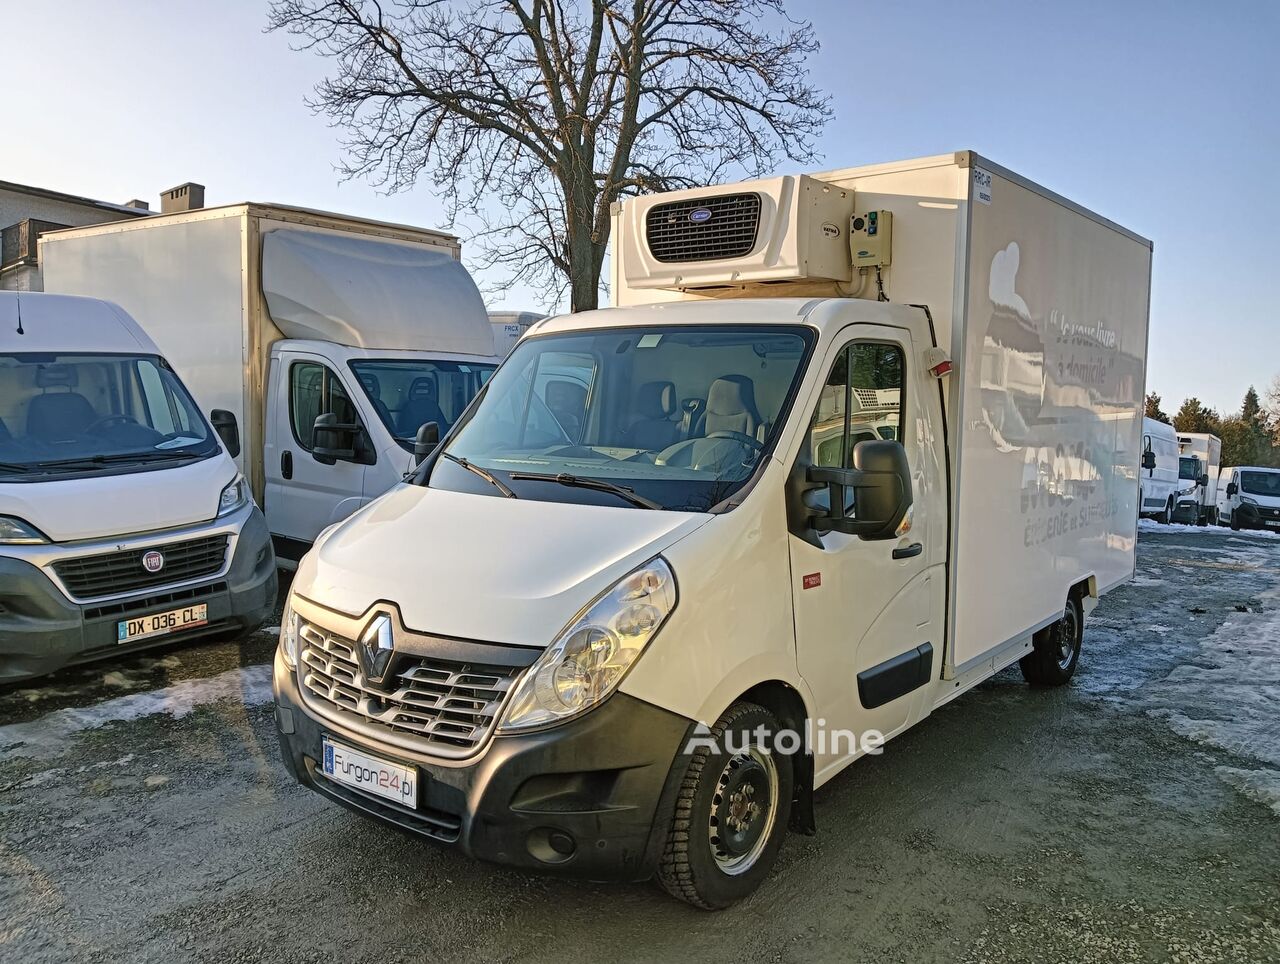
(286, 464)
(906, 552)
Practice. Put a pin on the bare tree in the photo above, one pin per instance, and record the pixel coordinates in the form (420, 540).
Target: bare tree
(534, 116)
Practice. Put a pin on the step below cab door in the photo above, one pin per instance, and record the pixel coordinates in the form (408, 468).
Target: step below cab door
(868, 613)
(305, 490)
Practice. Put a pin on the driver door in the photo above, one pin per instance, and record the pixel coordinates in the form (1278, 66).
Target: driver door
(304, 495)
(868, 612)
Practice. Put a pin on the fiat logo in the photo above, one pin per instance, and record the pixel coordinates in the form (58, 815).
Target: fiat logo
(153, 561)
(698, 215)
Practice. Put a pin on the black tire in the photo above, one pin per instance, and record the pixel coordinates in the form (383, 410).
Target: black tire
(1235, 523)
(703, 862)
(1056, 648)
(1166, 514)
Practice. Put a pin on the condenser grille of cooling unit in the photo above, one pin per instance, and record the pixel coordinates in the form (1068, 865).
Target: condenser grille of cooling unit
(703, 229)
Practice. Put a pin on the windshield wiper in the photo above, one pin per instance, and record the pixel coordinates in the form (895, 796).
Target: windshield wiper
(92, 461)
(621, 491)
(483, 473)
(14, 467)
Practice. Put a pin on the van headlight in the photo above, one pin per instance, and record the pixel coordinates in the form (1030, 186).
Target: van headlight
(234, 496)
(1248, 501)
(289, 634)
(590, 657)
(15, 532)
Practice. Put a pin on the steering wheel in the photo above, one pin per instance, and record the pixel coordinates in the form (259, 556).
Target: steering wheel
(745, 439)
(111, 420)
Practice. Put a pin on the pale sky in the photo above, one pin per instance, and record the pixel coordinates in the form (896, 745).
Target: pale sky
(1158, 115)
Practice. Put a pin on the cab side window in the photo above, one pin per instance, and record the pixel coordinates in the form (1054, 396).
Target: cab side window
(315, 390)
(860, 402)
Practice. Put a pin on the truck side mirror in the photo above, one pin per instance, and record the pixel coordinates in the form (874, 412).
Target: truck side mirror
(1232, 489)
(1203, 481)
(224, 423)
(333, 440)
(1148, 460)
(881, 483)
(427, 439)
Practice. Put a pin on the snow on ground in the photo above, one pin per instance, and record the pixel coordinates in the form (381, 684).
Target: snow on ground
(1151, 525)
(249, 685)
(1230, 697)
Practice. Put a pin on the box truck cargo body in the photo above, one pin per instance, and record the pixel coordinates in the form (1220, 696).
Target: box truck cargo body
(852, 443)
(1199, 461)
(282, 316)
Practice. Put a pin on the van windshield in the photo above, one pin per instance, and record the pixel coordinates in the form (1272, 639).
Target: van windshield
(662, 417)
(1261, 483)
(68, 414)
(407, 393)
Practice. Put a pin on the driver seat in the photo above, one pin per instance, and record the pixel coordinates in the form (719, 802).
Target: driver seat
(421, 407)
(731, 407)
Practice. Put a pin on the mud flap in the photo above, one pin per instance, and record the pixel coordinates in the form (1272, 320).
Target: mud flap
(802, 819)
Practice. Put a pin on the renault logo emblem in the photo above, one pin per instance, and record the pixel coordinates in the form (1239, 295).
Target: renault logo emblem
(377, 646)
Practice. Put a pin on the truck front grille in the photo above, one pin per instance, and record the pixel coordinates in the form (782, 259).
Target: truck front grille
(703, 229)
(438, 706)
(114, 573)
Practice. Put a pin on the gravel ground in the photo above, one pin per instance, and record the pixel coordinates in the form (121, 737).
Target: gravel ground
(1132, 816)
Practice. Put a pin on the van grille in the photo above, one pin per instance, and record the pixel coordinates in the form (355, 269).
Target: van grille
(113, 573)
(728, 230)
(441, 706)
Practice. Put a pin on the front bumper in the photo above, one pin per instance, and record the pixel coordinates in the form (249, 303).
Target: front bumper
(1186, 511)
(589, 798)
(41, 630)
(1258, 516)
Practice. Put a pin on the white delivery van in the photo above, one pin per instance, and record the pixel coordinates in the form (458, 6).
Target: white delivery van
(1199, 460)
(1161, 469)
(331, 340)
(1251, 497)
(124, 522)
(691, 559)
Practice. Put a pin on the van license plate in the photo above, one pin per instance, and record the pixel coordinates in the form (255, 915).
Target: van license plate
(158, 624)
(361, 771)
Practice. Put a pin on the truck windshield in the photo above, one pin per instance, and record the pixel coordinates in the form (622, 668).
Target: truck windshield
(1188, 467)
(1260, 483)
(663, 417)
(411, 392)
(72, 413)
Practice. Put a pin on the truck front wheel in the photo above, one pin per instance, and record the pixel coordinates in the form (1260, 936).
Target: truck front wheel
(731, 813)
(1056, 648)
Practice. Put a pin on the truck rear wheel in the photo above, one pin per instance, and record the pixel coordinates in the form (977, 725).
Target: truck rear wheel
(731, 812)
(1056, 648)
(1166, 514)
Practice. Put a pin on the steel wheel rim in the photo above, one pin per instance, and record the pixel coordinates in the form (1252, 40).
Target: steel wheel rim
(1068, 636)
(741, 822)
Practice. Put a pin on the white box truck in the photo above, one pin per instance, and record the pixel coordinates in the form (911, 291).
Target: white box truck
(1199, 461)
(509, 326)
(851, 444)
(330, 339)
(124, 522)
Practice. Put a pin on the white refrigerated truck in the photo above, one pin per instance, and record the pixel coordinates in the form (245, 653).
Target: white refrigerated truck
(330, 339)
(1199, 461)
(852, 443)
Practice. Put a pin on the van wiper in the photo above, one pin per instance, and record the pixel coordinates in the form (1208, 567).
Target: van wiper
(93, 461)
(621, 491)
(14, 467)
(483, 473)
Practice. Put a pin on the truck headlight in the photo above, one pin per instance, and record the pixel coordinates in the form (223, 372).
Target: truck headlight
(289, 634)
(234, 496)
(590, 657)
(1248, 501)
(15, 532)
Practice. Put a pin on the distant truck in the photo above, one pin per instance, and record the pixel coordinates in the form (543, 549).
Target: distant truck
(508, 326)
(1199, 459)
(329, 340)
(850, 444)
(1249, 497)
(1159, 485)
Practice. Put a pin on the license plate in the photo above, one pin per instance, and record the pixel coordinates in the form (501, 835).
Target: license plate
(1273, 522)
(158, 624)
(361, 771)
